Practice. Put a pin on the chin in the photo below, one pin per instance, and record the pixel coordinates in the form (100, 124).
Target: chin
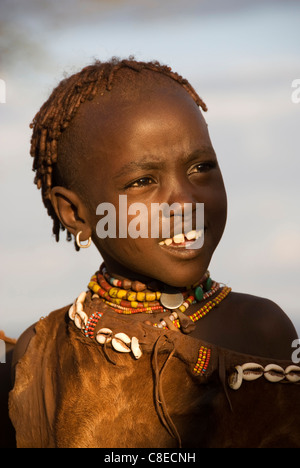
(182, 275)
(178, 268)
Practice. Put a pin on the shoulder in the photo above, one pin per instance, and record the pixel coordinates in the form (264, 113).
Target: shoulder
(21, 346)
(261, 311)
(266, 322)
(26, 337)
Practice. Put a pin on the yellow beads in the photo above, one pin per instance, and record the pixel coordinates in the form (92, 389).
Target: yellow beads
(123, 297)
(121, 294)
(205, 309)
(134, 297)
(113, 292)
(141, 296)
(203, 360)
(130, 296)
(94, 286)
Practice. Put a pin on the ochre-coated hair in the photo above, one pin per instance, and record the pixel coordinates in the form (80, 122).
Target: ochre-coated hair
(59, 110)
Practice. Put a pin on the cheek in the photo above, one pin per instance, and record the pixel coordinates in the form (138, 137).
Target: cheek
(131, 243)
(123, 240)
(216, 210)
(139, 255)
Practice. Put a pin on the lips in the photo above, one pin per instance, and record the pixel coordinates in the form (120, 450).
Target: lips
(182, 240)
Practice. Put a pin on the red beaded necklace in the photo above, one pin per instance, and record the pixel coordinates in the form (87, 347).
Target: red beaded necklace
(131, 297)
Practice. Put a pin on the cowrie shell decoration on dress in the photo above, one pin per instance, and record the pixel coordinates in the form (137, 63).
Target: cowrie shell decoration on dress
(292, 374)
(76, 312)
(104, 336)
(252, 371)
(236, 378)
(272, 373)
(135, 348)
(80, 319)
(120, 342)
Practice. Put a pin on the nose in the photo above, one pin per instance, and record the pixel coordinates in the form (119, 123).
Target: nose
(179, 191)
(183, 207)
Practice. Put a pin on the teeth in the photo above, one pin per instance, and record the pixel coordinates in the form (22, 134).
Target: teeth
(180, 238)
(191, 235)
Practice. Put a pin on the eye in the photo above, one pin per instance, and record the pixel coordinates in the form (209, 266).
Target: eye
(142, 182)
(202, 167)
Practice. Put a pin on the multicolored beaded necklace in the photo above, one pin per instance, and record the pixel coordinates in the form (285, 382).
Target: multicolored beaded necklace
(173, 321)
(131, 297)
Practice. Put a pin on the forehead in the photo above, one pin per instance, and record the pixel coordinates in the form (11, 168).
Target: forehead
(141, 114)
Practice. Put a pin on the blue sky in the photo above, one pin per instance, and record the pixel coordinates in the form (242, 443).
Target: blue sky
(241, 56)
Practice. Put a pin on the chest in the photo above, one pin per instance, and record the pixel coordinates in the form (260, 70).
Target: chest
(133, 404)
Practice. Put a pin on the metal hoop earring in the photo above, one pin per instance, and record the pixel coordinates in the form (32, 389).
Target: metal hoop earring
(82, 246)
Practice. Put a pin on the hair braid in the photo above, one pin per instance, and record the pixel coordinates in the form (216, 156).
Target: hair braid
(58, 111)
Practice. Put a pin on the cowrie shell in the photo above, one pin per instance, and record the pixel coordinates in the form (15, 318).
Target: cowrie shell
(252, 371)
(80, 319)
(104, 335)
(236, 378)
(135, 348)
(123, 337)
(78, 307)
(292, 374)
(120, 346)
(81, 297)
(72, 312)
(105, 331)
(274, 373)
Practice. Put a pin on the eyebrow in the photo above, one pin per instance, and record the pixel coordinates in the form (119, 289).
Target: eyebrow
(201, 152)
(147, 164)
(153, 162)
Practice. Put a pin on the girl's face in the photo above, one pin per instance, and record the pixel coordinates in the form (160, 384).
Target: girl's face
(153, 149)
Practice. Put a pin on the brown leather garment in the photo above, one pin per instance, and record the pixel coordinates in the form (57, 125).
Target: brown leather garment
(7, 434)
(71, 392)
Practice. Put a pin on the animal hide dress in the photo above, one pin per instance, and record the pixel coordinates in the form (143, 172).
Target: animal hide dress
(70, 391)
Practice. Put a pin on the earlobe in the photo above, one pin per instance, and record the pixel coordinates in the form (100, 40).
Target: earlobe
(71, 211)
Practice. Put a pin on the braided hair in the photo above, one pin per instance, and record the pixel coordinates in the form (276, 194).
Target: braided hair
(60, 109)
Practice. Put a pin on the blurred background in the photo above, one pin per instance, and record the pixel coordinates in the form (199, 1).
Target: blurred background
(241, 56)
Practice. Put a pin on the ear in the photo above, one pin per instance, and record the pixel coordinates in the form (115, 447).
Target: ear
(71, 212)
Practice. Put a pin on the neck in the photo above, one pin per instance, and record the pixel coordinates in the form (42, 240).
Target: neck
(119, 271)
(122, 272)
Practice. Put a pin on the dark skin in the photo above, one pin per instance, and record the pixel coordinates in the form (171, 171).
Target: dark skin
(157, 149)
(157, 155)
(153, 146)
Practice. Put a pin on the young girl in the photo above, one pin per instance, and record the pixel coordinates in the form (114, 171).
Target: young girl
(156, 353)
